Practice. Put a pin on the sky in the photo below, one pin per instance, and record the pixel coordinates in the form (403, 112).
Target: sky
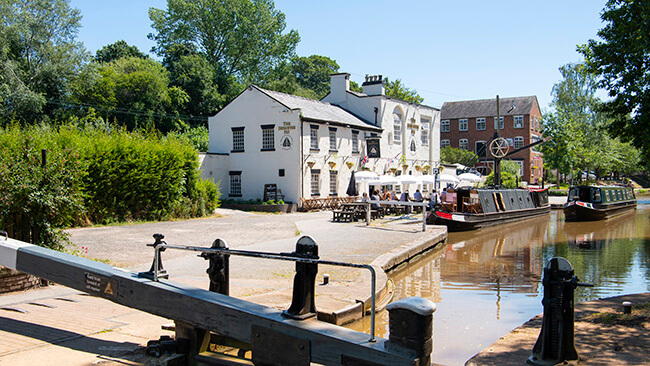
(445, 50)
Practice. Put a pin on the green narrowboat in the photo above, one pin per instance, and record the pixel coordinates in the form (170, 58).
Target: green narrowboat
(590, 203)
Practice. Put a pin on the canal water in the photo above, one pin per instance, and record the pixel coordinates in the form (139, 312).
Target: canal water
(487, 282)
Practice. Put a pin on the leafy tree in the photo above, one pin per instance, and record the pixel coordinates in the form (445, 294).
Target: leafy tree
(398, 90)
(621, 60)
(577, 127)
(194, 74)
(117, 50)
(510, 171)
(241, 38)
(38, 55)
(304, 76)
(451, 155)
(134, 91)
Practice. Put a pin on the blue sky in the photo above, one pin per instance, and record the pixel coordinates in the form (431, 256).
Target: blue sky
(446, 50)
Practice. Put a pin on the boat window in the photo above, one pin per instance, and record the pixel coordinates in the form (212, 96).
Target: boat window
(595, 195)
(607, 196)
(574, 193)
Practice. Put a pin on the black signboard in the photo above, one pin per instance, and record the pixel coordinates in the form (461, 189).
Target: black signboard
(373, 147)
(270, 192)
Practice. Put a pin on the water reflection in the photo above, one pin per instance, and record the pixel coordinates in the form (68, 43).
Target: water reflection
(487, 282)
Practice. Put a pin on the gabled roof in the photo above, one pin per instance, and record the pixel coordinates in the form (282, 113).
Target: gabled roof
(317, 111)
(487, 107)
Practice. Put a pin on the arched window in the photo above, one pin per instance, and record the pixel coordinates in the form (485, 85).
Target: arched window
(397, 126)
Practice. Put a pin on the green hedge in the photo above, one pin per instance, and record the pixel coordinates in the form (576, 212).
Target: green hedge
(99, 175)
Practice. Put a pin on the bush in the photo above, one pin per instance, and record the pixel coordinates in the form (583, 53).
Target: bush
(99, 174)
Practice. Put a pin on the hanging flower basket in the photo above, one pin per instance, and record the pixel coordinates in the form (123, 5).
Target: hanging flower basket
(331, 164)
(426, 168)
(405, 166)
(349, 164)
(393, 170)
(366, 169)
(418, 168)
(311, 164)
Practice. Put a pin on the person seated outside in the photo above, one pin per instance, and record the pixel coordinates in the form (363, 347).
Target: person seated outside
(386, 195)
(393, 196)
(405, 198)
(364, 198)
(417, 196)
(433, 200)
(375, 197)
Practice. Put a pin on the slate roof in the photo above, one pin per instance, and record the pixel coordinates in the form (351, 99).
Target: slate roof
(487, 107)
(318, 111)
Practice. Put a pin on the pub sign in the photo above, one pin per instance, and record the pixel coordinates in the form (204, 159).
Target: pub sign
(372, 145)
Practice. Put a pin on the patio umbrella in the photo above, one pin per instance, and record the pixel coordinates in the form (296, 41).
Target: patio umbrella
(352, 186)
(469, 177)
(409, 179)
(366, 176)
(428, 179)
(386, 180)
(448, 178)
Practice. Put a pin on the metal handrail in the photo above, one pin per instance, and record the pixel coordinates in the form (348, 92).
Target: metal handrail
(281, 256)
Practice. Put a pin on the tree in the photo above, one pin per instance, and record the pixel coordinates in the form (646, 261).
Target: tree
(398, 90)
(38, 55)
(241, 38)
(622, 61)
(117, 50)
(194, 74)
(134, 91)
(304, 76)
(451, 155)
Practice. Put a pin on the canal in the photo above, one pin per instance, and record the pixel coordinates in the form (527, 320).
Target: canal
(487, 282)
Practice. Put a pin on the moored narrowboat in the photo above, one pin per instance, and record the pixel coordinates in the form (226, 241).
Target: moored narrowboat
(474, 208)
(590, 203)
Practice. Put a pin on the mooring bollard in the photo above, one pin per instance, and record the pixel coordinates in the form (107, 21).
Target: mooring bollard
(411, 325)
(304, 282)
(219, 268)
(157, 260)
(627, 307)
(556, 342)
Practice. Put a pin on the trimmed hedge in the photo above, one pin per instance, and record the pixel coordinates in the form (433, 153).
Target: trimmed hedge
(98, 175)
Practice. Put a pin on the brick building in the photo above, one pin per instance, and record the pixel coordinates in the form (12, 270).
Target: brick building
(470, 125)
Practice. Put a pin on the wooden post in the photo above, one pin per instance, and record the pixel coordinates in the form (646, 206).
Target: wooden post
(411, 325)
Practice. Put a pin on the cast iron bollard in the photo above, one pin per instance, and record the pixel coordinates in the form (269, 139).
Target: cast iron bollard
(162, 273)
(410, 322)
(556, 339)
(302, 303)
(219, 269)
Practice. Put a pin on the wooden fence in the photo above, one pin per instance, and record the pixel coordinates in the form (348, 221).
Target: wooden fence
(327, 203)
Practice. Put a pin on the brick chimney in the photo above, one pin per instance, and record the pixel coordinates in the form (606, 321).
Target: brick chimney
(374, 85)
(339, 86)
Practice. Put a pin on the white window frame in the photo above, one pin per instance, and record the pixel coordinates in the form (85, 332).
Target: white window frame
(480, 124)
(424, 132)
(518, 122)
(235, 185)
(518, 142)
(238, 139)
(334, 182)
(463, 124)
(463, 144)
(355, 142)
(268, 138)
(332, 136)
(313, 137)
(445, 126)
(444, 143)
(500, 123)
(315, 182)
(397, 128)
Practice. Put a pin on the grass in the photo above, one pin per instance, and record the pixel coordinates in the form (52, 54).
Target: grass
(640, 315)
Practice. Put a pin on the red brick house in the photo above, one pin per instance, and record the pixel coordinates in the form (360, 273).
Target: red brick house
(470, 125)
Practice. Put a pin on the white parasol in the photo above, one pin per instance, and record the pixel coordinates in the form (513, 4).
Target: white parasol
(366, 176)
(386, 180)
(469, 177)
(408, 179)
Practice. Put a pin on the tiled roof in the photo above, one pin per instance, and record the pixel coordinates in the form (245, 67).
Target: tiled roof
(318, 111)
(487, 107)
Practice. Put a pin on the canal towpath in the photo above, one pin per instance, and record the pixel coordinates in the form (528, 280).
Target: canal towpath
(57, 323)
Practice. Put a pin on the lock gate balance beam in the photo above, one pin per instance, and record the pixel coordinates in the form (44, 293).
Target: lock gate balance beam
(228, 316)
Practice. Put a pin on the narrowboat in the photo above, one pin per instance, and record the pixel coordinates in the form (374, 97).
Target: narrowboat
(473, 208)
(591, 203)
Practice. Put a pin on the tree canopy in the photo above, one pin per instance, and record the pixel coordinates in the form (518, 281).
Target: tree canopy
(398, 90)
(117, 50)
(622, 63)
(242, 38)
(452, 155)
(38, 55)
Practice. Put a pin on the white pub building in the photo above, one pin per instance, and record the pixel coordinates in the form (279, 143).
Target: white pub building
(307, 149)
